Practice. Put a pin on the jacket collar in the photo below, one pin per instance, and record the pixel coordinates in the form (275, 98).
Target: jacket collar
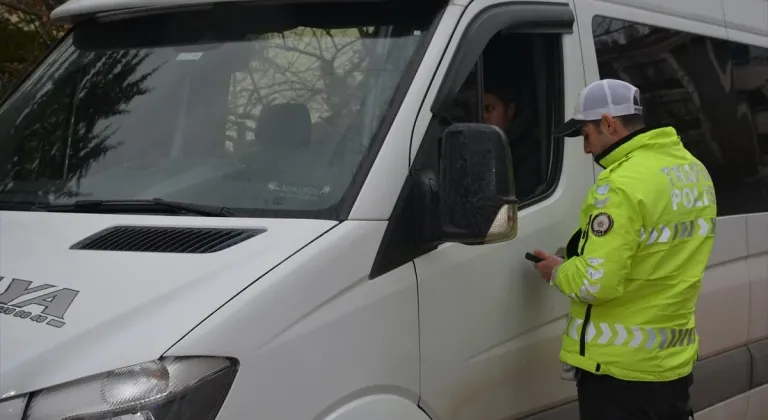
(649, 136)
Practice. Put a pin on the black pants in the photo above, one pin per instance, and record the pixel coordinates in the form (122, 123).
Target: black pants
(602, 397)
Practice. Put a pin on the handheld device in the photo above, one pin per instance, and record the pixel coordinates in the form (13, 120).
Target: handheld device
(530, 256)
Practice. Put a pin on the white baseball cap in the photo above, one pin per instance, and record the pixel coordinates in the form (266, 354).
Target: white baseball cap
(609, 96)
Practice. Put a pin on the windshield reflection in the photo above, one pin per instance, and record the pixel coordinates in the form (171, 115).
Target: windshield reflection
(277, 120)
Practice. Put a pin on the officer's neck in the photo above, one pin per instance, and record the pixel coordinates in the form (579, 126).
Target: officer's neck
(614, 152)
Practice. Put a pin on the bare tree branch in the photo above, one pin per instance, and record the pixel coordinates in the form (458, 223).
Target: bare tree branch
(14, 5)
(297, 50)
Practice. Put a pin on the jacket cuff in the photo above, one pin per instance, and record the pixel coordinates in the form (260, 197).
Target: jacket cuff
(553, 279)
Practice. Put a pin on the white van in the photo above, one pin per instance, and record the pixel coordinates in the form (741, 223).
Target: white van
(291, 209)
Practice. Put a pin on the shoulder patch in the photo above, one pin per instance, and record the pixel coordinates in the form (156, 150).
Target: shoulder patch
(601, 203)
(601, 224)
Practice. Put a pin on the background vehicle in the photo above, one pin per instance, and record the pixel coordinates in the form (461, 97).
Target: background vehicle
(240, 209)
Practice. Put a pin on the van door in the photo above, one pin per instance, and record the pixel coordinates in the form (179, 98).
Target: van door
(490, 327)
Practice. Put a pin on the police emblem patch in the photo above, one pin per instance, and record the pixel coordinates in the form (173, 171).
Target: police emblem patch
(602, 224)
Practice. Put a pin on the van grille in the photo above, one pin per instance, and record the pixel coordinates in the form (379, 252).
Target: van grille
(165, 239)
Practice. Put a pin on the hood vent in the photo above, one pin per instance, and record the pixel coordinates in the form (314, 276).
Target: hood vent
(178, 240)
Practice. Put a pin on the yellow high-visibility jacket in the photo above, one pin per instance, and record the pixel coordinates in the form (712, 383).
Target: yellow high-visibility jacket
(633, 269)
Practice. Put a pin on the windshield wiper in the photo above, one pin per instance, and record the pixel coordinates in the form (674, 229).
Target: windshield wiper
(138, 205)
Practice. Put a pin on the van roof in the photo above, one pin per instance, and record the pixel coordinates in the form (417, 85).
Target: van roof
(75, 10)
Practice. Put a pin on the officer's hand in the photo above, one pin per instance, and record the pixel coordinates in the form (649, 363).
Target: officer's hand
(548, 264)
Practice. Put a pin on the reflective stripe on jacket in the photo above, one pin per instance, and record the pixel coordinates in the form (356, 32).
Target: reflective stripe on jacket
(633, 270)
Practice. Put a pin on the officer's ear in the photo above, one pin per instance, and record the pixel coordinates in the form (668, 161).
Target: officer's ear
(609, 125)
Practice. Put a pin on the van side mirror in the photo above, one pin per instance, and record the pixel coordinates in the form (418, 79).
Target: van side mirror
(477, 203)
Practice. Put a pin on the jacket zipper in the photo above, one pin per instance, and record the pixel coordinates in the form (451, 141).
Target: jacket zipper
(585, 235)
(588, 313)
(583, 337)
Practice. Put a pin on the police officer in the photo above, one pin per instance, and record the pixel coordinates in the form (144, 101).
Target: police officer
(633, 269)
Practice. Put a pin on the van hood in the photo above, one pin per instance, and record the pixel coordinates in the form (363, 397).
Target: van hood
(69, 313)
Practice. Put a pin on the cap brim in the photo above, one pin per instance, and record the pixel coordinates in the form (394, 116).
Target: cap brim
(571, 128)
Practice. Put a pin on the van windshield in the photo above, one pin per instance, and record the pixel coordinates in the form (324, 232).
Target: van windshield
(269, 110)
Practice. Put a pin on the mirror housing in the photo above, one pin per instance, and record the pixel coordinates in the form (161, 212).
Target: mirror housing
(477, 203)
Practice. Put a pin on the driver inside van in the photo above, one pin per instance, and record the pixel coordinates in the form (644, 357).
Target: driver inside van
(500, 108)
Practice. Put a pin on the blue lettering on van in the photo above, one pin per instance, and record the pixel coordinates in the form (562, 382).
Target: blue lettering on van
(301, 192)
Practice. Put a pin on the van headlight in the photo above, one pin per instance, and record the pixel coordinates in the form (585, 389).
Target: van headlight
(191, 388)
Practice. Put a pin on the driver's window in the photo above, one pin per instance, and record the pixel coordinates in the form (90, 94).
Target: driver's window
(519, 78)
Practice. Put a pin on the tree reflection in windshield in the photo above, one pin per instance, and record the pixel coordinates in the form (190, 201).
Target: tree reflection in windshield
(59, 126)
